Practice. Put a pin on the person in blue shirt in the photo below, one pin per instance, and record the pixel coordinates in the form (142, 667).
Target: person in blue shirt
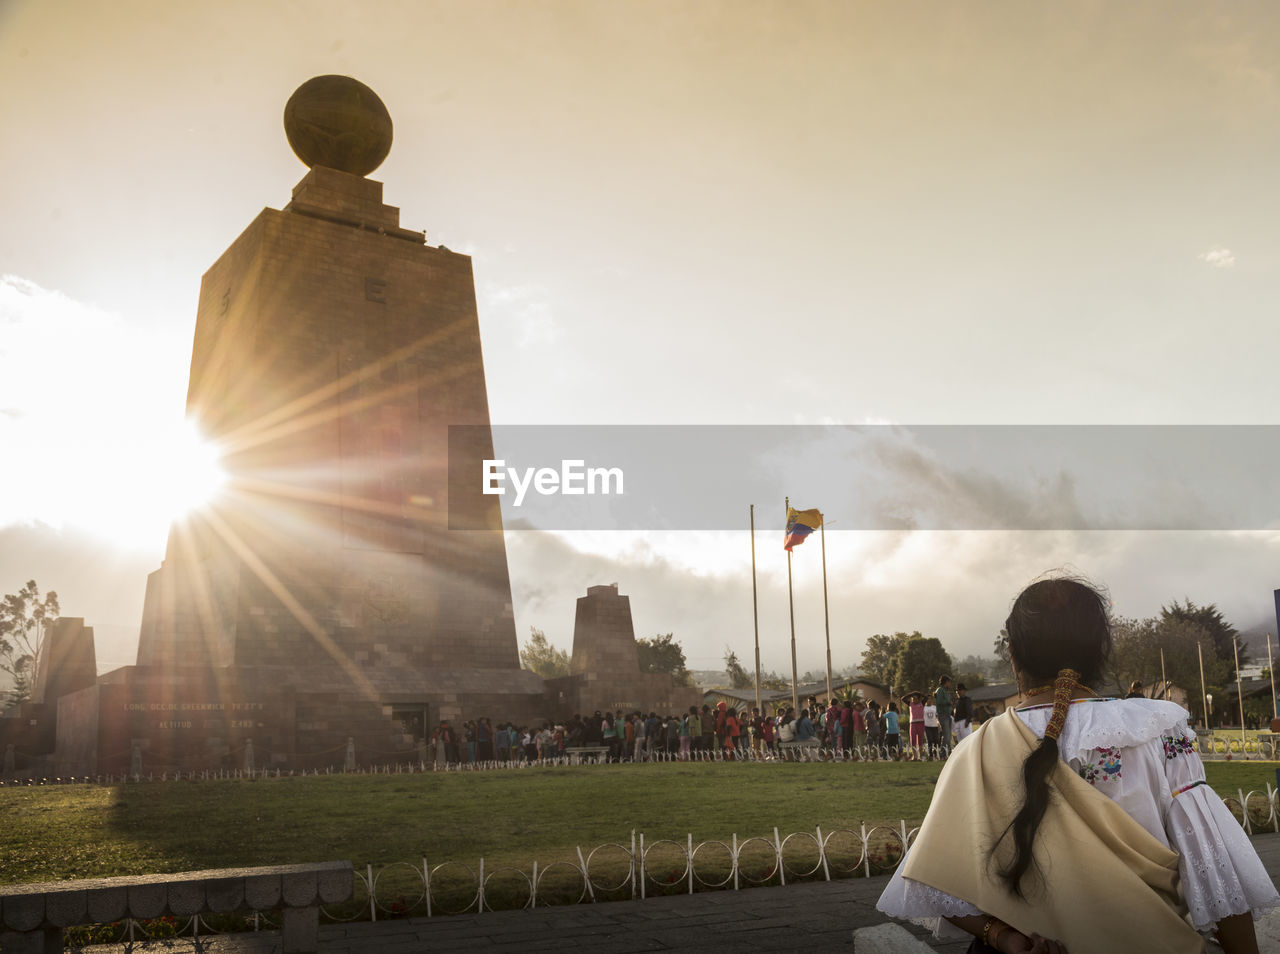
(892, 738)
(804, 729)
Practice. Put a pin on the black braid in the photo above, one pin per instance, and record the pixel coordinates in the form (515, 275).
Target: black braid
(1035, 777)
(1055, 624)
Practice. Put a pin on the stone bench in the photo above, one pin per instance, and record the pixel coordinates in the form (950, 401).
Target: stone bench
(32, 916)
(795, 749)
(575, 753)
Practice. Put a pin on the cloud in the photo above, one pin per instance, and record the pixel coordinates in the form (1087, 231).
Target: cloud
(954, 585)
(89, 403)
(527, 312)
(1219, 257)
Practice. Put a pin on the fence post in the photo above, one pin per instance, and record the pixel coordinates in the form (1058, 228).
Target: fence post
(373, 900)
(642, 884)
(586, 876)
(690, 850)
(735, 861)
(866, 853)
(533, 887)
(822, 853)
(633, 864)
(426, 881)
(480, 890)
(777, 844)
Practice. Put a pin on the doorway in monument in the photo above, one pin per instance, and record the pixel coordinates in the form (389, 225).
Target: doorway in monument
(412, 718)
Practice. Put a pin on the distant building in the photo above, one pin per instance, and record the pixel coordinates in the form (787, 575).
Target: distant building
(774, 700)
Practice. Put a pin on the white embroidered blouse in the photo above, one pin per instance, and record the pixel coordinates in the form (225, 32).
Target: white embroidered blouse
(1141, 754)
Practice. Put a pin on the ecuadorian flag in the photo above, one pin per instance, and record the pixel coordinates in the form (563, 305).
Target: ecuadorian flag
(800, 523)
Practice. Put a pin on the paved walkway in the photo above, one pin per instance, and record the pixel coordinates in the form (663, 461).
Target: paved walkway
(813, 916)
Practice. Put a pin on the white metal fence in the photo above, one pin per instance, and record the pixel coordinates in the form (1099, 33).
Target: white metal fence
(636, 870)
(666, 866)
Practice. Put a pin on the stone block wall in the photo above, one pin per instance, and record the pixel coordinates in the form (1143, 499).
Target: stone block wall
(604, 638)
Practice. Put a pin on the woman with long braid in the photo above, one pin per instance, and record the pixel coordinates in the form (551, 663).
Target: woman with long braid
(1080, 824)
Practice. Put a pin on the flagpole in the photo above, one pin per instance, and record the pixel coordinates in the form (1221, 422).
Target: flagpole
(755, 605)
(826, 616)
(1235, 644)
(1164, 680)
(1204, 695)
(1271, 670)
(791, 605)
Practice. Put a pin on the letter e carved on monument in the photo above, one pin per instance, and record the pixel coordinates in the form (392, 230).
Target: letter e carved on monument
(375, 289)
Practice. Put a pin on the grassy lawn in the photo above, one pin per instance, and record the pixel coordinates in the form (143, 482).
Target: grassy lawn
(506, 817)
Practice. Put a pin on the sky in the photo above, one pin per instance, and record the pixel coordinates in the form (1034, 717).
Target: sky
(767, 213)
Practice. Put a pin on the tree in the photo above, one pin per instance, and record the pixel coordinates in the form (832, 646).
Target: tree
(849, 694)
(739, 678)
(540, 657)
(772, 680)
(1135, 653)
(820, 675)
(1136, 649)
(663, 654)
(981, 670)
(1001, 649)
(921, 660)
(971, 678)
(1220, 633)
(880, 658)
(23, 619)
(1181, 640)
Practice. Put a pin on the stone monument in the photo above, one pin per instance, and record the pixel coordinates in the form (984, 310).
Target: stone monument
(68, 660)
(322, 596)
(604, 671)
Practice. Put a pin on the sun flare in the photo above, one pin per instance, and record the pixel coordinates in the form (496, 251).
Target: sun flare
(191, 474)
(139, 484)
(171, 471)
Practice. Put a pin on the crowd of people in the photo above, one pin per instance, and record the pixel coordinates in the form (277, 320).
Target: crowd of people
(921, 725)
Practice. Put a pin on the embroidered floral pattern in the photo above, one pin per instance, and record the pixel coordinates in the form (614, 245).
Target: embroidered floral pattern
(1104, 768)
(1173, 747)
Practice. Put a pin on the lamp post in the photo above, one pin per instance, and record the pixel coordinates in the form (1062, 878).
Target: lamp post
(1208, 698)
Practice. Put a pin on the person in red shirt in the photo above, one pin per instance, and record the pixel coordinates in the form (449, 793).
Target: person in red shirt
(846, 727)
(731, 730)
(831, 722)
(858, 727)
(915, 704)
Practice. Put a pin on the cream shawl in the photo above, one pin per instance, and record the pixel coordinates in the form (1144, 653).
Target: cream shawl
(1102, 882)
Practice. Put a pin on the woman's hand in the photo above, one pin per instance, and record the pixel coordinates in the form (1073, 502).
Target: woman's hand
(1006, 938)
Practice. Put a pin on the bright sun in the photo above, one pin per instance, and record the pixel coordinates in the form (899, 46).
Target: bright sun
(100, 447)
(152, 478)
(190, 473)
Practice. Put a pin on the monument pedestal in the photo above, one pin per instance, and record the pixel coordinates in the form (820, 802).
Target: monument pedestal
(605, 668)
